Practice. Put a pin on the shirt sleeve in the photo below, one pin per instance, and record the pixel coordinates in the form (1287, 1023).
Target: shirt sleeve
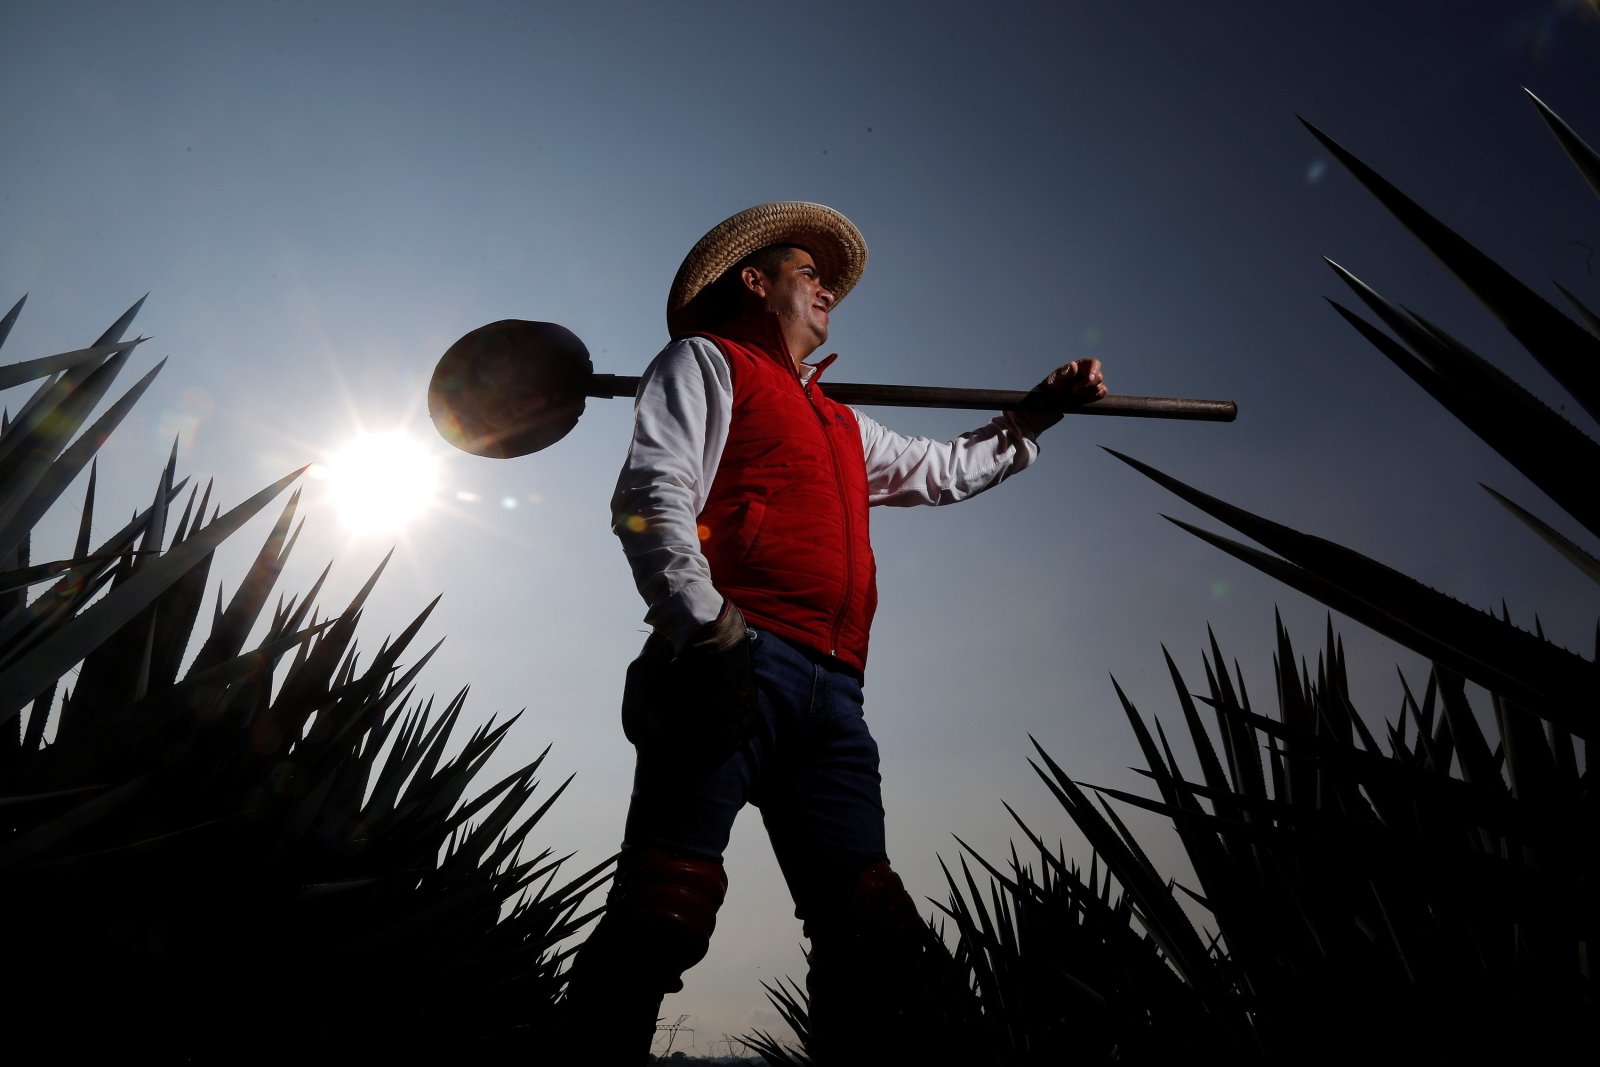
(907, 471)
(680, 427)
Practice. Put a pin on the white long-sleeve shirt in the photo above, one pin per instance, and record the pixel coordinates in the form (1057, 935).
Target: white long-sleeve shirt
(680, 425)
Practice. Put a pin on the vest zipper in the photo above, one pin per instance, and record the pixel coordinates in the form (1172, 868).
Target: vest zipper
(844, 510)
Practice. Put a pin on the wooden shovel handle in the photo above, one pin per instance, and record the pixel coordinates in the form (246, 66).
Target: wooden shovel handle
(925, 396)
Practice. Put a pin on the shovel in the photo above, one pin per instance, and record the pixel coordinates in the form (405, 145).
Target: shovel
(515, 387)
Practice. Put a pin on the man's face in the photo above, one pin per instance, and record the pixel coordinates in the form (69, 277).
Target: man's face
(796, 294)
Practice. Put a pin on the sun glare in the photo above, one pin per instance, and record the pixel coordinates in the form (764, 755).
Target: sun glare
(381, 483)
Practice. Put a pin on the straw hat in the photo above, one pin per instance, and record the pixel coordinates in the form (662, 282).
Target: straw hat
(832, 240)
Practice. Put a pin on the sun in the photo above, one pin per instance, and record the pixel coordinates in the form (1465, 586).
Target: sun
(381, 482)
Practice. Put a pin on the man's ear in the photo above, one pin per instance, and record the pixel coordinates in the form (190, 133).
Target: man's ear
(753, 281)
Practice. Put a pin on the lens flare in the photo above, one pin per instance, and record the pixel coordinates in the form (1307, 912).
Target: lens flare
(381, 483)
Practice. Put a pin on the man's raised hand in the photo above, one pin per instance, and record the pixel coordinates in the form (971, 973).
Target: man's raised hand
(1081, 377)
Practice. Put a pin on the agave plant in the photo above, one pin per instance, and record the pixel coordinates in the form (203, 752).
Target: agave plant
(1439, 888)
(794, 1006)
(271, 852)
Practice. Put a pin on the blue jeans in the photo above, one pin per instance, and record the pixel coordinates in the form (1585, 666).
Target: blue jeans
(811, 766)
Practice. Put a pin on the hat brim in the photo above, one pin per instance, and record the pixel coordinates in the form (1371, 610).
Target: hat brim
(833, 241)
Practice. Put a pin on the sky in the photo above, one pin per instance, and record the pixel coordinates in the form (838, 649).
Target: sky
(320, 198)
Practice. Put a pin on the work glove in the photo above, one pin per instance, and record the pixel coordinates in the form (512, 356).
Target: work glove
(696, 706)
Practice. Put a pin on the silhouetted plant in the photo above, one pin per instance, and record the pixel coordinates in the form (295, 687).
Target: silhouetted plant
(197, 867)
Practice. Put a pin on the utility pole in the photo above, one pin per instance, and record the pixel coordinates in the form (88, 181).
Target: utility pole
(672, 1030)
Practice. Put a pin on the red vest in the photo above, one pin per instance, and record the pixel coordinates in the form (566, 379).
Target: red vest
(785, 525)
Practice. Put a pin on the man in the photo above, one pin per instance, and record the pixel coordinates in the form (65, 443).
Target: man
(742, 509)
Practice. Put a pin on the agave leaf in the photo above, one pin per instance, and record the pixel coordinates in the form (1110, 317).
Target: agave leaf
(26, 625)
(79, 586)
(1575, 555)
(512, 781)
(1410, 713)
(42, 430)
(793, 1005)
(380, 731)
(355, 708)
(38, 479)
(1487, 803)
(115, 331)
(1584, 311)
(118, 669)
(1530, 767)
(179, 607)
(295, 615)
(1161, 915)
(969, 920)
(1159, 769)
(232, 627)
(1569, 353)
(542, 866)
(1240, 743)
(1442, 747)
(140, 844)
(1566, 759)
(200, 512)
(14, 600)
(1585, 158)
(402, 759)
(40, 572)
(54, 392)
(14, 426)
(46, 662)
(1296, 706)
(403, 756)
(11, 318)
(434, 791)
(360, 760)
(14, 374)
(1010, 885)
(85, 518)
(499, 822)
(328, 730)
(319, 667)
(38, 719)
(1207, 855)
(513, 841)
(1478, 763)
(449, 785)
(87, 751)
(23, 800)
(48, 833)
(1336, 691)
(155, 533)
(418, 796)
(985, 922)
(175, 613)
(1263, 828)
(443, 903)
(1549, 703)
(1416, 789)
(1500, 656)
(188, 508)
(1210, 765)
(1507, 417)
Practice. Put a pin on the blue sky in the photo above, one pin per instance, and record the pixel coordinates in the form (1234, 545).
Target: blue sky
(321, 198)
